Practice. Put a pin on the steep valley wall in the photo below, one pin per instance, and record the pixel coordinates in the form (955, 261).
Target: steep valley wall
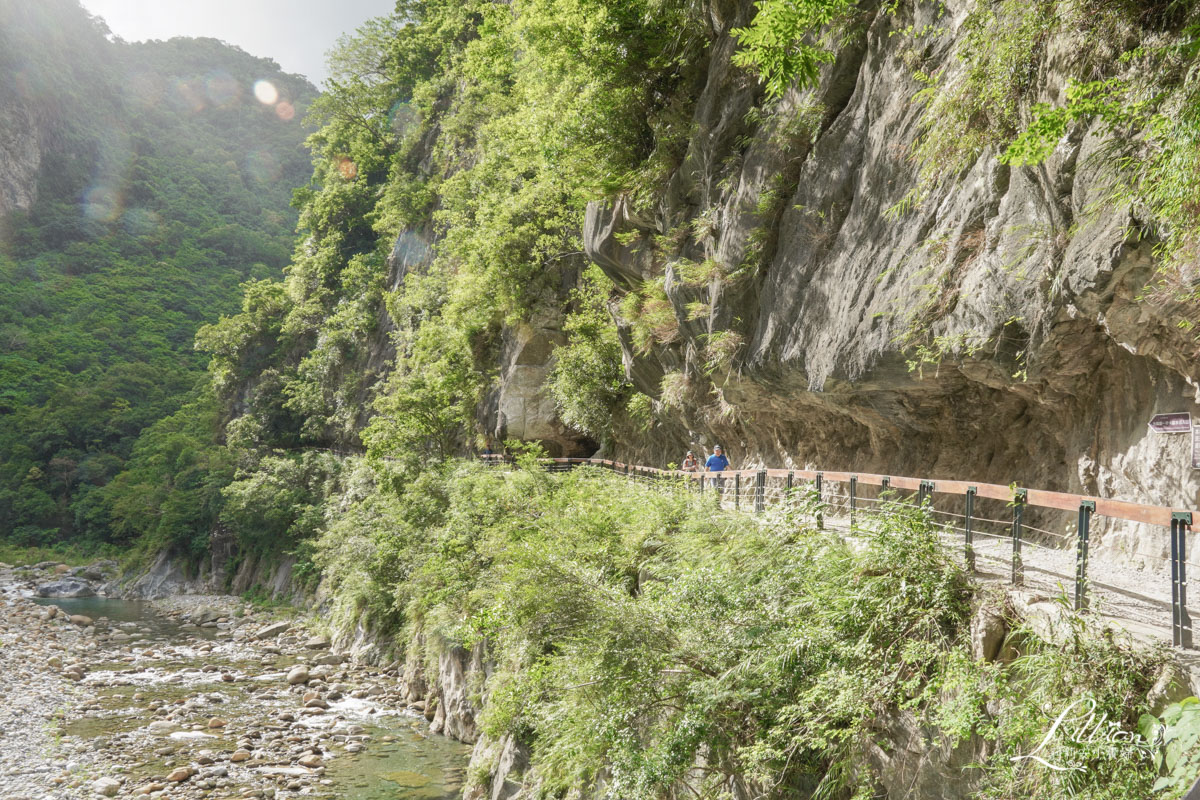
(1024, 283)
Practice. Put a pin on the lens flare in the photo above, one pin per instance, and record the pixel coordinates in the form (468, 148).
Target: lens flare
(348, 168)
(222, 90)
(101, 203)
(266, 93)
(285, 111)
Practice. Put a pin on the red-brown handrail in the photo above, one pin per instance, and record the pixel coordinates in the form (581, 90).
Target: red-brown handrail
(1115, 509)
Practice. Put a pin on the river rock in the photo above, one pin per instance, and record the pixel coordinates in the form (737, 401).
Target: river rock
(317, 643)
(68, 587)
(272, 630)
(217, 722)
(330, 659)
(298, 675)
(180, 774)
(240, 756)
(81, 620)
(311, 761)
(106, 787)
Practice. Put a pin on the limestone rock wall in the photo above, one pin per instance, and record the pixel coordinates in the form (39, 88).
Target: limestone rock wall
(20, 152)
(1053, 365)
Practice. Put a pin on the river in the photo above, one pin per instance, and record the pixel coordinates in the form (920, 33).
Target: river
(137, 703)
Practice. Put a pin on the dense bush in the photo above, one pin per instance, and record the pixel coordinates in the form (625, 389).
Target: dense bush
(640, 633)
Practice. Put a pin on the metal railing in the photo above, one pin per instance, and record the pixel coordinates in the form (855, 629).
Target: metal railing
(844, 492)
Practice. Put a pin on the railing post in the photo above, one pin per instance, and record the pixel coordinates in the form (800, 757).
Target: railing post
(760, 491)
(853, 498)
(737, 490)
(1018, 568)
(1086, 509)
(1181, 621)
(969, 534)
(820, 514)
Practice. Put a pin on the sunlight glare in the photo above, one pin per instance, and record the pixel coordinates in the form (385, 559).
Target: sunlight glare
(266, 92)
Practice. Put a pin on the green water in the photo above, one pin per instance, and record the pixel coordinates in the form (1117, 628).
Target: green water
(119, 611)
(413, 764)
(418, 765)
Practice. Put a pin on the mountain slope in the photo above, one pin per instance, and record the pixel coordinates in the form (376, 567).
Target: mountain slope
(140, 184)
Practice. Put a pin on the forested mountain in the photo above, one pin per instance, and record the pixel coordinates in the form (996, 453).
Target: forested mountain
(954, 239)
(142, 184)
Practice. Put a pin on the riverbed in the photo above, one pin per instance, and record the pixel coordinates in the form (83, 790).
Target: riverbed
(115, 698)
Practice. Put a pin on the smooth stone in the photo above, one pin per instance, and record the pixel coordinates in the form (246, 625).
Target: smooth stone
(106, 787)
(273, 630)
(179, 774)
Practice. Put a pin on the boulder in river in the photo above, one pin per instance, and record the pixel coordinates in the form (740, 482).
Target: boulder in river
(106, 787)
(317, 643)
(67, 587)
(180, 774)
(272, 630)
(297, 675)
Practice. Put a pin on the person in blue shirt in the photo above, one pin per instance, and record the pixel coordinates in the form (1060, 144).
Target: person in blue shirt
(715, 463)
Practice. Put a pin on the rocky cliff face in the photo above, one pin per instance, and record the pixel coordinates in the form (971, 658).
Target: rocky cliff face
(20, 153)
(1021, 283)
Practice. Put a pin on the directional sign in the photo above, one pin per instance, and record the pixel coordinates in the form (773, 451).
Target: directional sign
(1171, 423)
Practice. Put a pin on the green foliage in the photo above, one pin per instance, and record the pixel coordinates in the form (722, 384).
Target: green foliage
(280, 501)
(1178, 732)
(170, 493)
(1078, 673)
(980, 106)
(589, 378)
(459, 144)
(784, 44)
(1153, 125)
(636, 630)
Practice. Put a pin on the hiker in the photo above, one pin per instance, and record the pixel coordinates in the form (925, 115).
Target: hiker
(716, 463)
(690, 464)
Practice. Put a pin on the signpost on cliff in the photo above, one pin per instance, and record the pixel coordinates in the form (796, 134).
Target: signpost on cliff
(1171, 423)
(1179, 422)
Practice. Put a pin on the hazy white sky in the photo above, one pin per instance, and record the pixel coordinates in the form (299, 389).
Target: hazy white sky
(296, 33)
